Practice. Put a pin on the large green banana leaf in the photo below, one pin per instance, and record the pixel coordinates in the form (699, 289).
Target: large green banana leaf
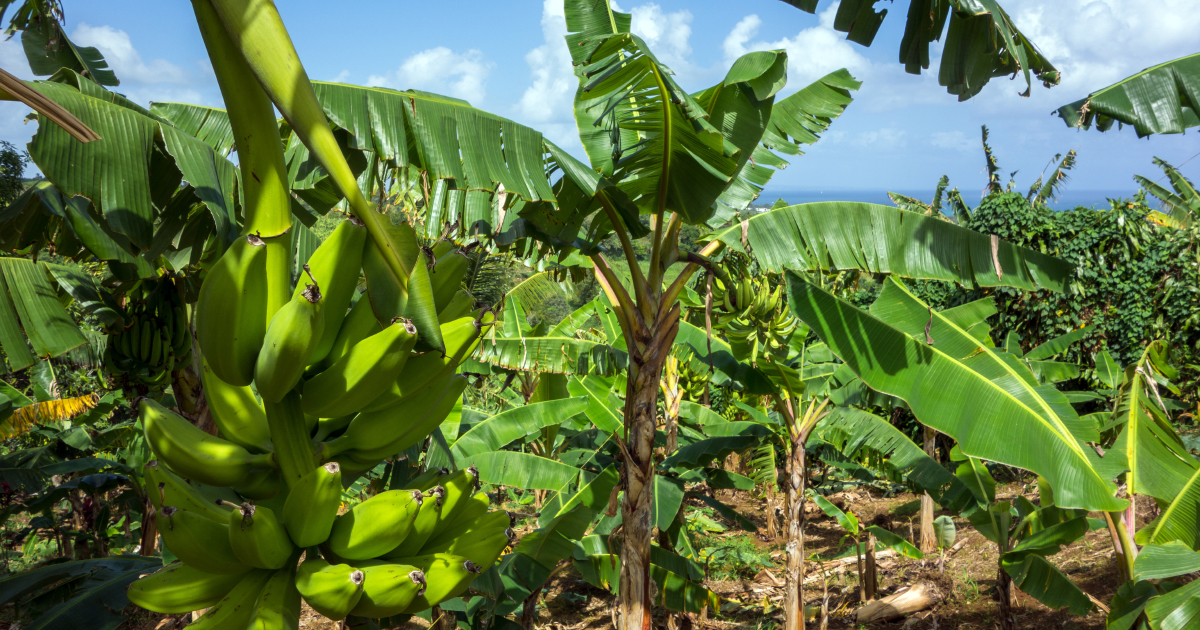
(136, 167)
(49, 50)
(837, 235)
(986, 400)
(604, 408)
(210, 125)
(506, 427)
(1160, 99)
(982, 42)
(521, 470)
(850, 430)
(742, 108)
(30, 308)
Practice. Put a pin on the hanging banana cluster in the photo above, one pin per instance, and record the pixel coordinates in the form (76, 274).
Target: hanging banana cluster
(304, 403)
(753, 320)
(155, 340)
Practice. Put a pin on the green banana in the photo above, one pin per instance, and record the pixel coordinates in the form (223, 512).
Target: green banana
(260, 485)
(165, 488)
(312, 505)
(179, 588)
(237, 608)
(426, 480)
(329, 426)
(231, 311)
(358, 324)
(424, 525)
(470, 521)
(381, 434)
(180, 339)
(461, 337)
(332, 590)
(257, 537)
(194, 454)
(375, 526)
(459, 306)
(335, 265)
(291, 436)
(362, 374)
(198, 541)
(147, 341)
(388, 589)
(441, 248)
(447, 276)
(482, 549)
(278, 606)
(236, 411)
(460, 488)
(446, 576)
(291, 339)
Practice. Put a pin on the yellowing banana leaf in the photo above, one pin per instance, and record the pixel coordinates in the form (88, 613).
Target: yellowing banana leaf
(840, 235)
(982, 42)
(25, 418)
(29, 307)
(506, 427)
(986, 400)
(137, 164)
(1160, 99)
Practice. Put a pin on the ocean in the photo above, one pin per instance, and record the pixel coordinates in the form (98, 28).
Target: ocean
(1068, 199)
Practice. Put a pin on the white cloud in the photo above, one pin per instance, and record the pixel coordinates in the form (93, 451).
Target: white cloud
(441, 70)
(341, 77)
(667, 34)
(124, 59)
(812, 53)
(954, 141)
(881, 139)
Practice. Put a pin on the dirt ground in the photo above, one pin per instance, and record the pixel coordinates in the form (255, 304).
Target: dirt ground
(968, 580)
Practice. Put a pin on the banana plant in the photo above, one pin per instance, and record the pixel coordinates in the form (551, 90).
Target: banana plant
(877, 539)
(1026, 535)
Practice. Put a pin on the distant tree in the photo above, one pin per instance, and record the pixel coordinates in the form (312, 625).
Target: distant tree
(12, 169)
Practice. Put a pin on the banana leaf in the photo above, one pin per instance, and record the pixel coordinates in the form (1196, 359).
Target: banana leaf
(94, 591)
(506, 427)
(850, 430)
(986, 400)
(1160, 99)
(1059, 344)
(604, 408)
(668, 498)
(136, 166)
(30, 308)
(842, 235)
(521, 470)
(558, 355)
(1156, 562)
(49, 50)
(210, 125)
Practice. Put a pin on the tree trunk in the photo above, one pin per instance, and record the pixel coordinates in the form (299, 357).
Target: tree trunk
(928, 540)
(870, 576)
(1008, 600)
(793, 596)
(646, 359)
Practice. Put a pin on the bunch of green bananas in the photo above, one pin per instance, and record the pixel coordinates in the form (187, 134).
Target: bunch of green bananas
(399, 552)
(305, 401)
(760, 326)
(155, 340)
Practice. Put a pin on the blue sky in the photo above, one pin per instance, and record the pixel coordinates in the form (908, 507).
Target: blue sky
(902, 132)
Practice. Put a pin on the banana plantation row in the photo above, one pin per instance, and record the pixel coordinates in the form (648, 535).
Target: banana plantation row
(324, 394)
